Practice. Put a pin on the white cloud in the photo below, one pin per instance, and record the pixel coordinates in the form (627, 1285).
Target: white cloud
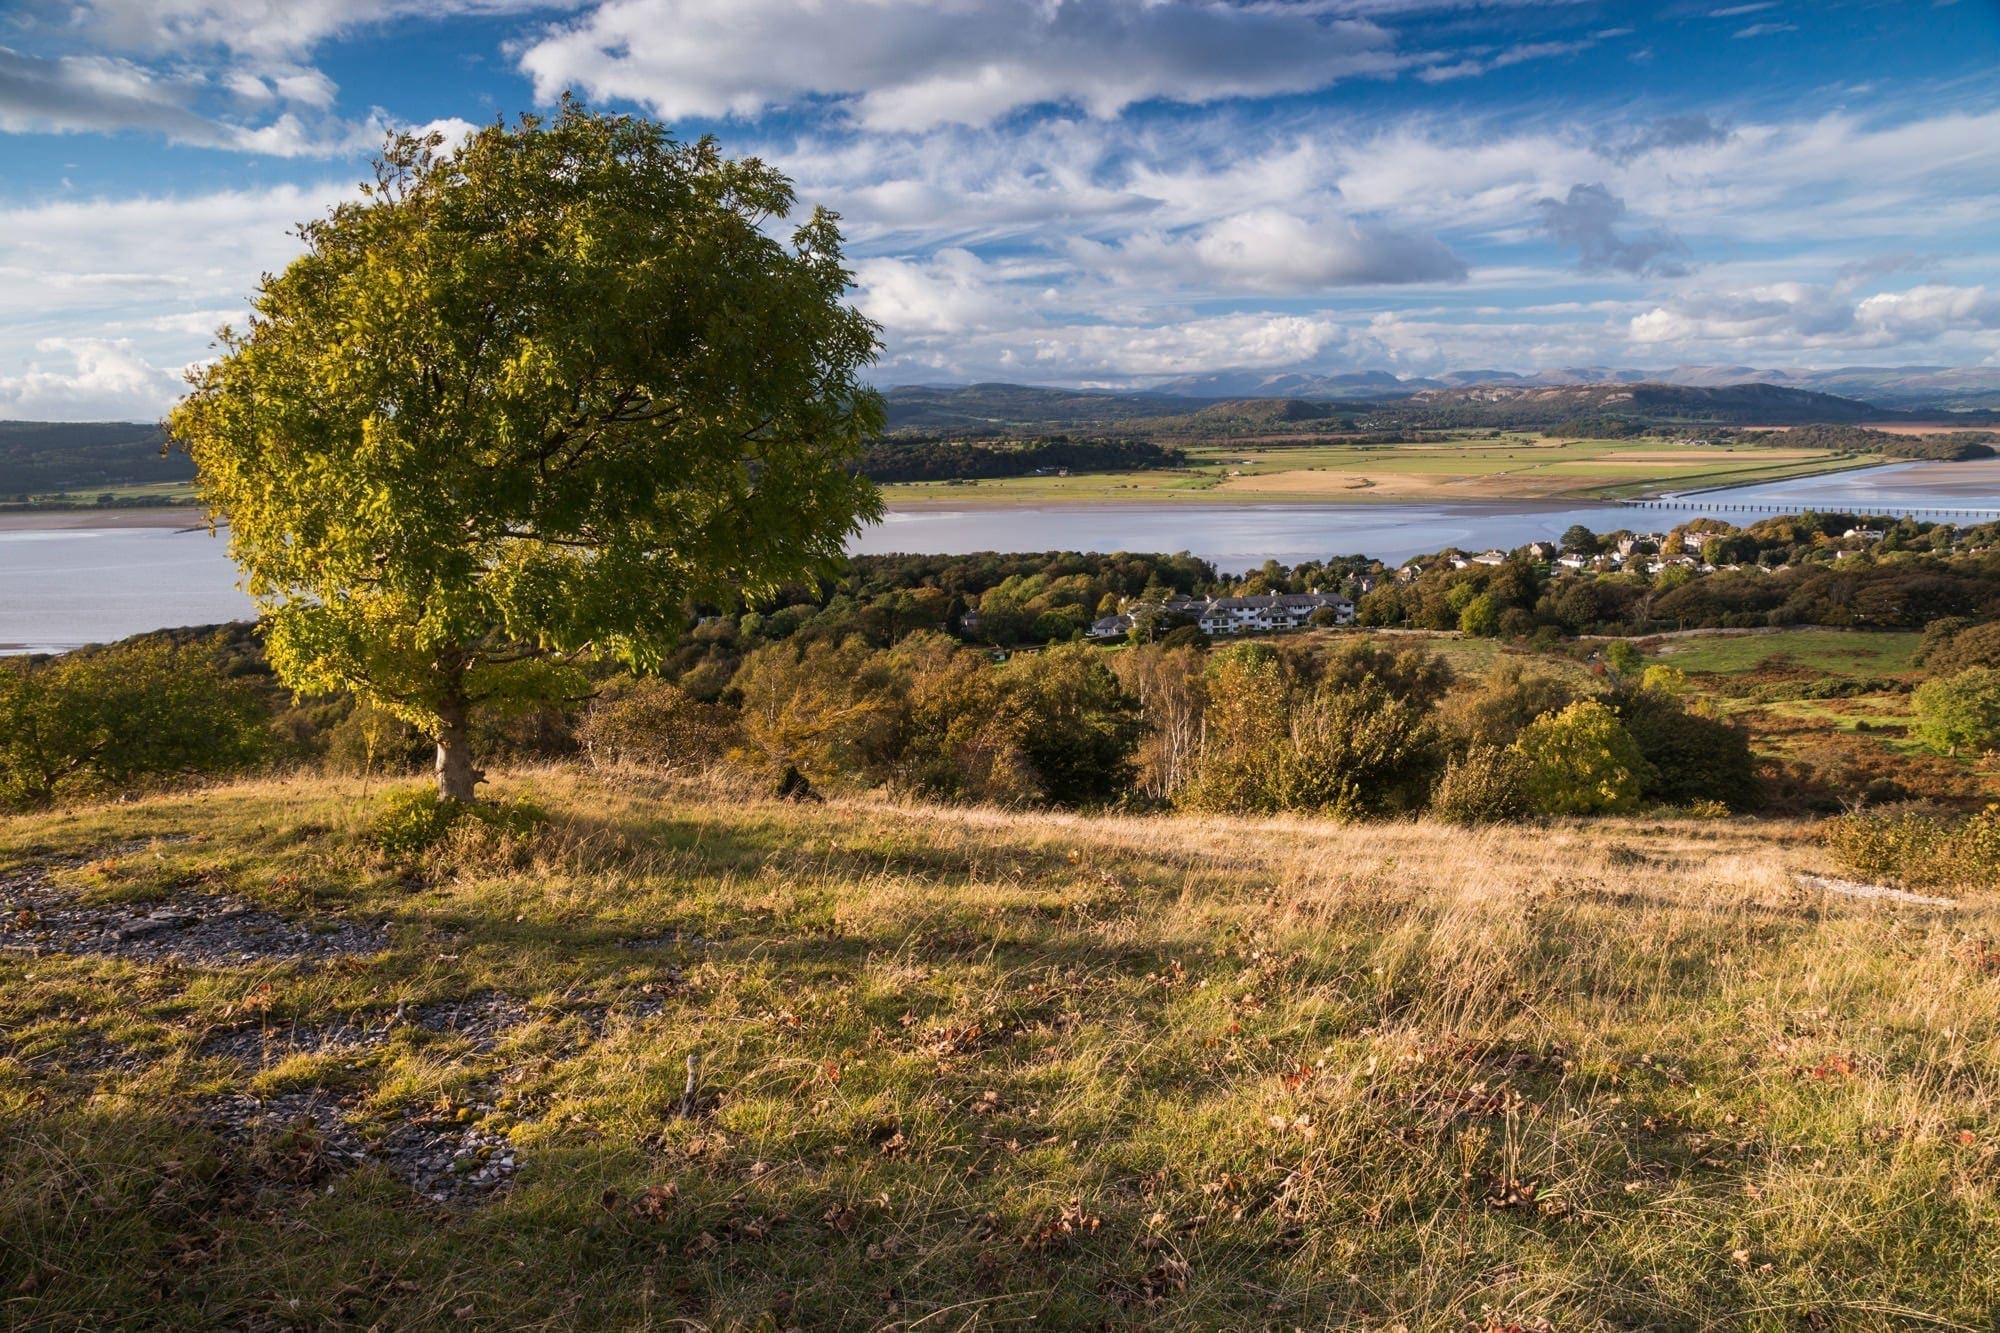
(1925, 313)
(1796, 317)
(1271, 250)
(97, 94)
(954, 291)
(89, 379)
(913, 64)
(263, 28)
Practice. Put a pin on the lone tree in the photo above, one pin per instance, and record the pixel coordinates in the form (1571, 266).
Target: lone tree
(528, 400)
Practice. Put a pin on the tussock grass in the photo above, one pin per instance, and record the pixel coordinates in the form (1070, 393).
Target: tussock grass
(974, 1068)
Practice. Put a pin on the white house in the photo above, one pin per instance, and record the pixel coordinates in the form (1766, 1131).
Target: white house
(1290, 610)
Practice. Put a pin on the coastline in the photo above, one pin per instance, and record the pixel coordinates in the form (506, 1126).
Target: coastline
(54, 520)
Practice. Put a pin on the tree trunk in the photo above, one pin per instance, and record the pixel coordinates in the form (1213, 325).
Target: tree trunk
(456, 777)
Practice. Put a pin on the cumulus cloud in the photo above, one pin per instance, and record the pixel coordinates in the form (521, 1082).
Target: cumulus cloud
(96, 93)
(84, 94)
(1272, 250)
(89, 379)
(1587, 219)
(953, 291)
(911, 64)
(1923, 314)
(261, 28)
(1794, 316)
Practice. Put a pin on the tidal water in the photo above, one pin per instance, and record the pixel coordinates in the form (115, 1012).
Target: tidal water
(1237, 536)
(64, 587)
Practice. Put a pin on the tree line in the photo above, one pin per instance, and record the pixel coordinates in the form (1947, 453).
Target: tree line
(903, 458)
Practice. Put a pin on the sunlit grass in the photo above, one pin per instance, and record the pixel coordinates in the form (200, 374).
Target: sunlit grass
(966, 1067)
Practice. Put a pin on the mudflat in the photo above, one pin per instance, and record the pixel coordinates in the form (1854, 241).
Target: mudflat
(43, 520)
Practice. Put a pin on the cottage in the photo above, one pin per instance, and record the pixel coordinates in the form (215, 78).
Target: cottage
(1110, 627)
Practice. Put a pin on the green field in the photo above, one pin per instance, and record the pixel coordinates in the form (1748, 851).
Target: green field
(1835, 652)
(166, 493)
(1518, 467)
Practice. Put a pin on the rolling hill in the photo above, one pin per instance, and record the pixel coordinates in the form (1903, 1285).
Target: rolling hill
(44, 457)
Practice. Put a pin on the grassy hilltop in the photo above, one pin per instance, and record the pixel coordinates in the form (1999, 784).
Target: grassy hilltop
(964, 1067)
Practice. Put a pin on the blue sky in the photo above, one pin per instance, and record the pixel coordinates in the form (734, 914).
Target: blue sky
(1081, 191)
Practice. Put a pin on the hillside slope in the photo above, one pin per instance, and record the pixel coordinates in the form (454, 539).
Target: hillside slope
(42, 457)
(678, 1056)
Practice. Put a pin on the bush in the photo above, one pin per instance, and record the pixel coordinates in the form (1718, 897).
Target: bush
(1504, 704)
(1079, 727)
(961, 728)
(655, 725)
(1582, 761)
(1918, 847)
(1690, 756)
(1486, 785)
(112, 719)
(413, 820)
(1345, 749)
(1962, 711)
(368, 740)
(1358, 751)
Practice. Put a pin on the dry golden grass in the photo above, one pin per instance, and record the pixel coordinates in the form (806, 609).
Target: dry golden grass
(976, 1067)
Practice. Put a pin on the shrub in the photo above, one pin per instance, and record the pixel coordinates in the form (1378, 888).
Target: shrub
(368, 739)
(820, 707)
(1345, 749)
(655, 725)
(1356, 752)
(1582, 761)
(111, 719)
(961, 728)
(1962, 711)
(1244, 727)
(1918, 847)
(1689, 755)
(1079, 727)
(1487, 784)
(1503, 704)
(413, 820)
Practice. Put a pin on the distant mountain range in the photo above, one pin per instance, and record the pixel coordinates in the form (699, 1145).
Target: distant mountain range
(1906, 387)
(975, 409)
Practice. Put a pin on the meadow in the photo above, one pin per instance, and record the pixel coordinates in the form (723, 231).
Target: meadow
(1295, 469)
(679, 1054)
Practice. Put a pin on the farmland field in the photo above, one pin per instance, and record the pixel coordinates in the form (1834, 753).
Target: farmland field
(1291, 470)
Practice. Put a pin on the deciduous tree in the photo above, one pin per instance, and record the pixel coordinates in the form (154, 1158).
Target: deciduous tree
(527, 400)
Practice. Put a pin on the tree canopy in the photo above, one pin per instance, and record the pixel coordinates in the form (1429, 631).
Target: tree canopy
(527, 399)
(1960, 712)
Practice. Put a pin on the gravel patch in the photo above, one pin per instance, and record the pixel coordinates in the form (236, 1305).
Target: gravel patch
(303, 1137)
(481, 1020)
(87, 1053)
(206, 930)
(1848, 888)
